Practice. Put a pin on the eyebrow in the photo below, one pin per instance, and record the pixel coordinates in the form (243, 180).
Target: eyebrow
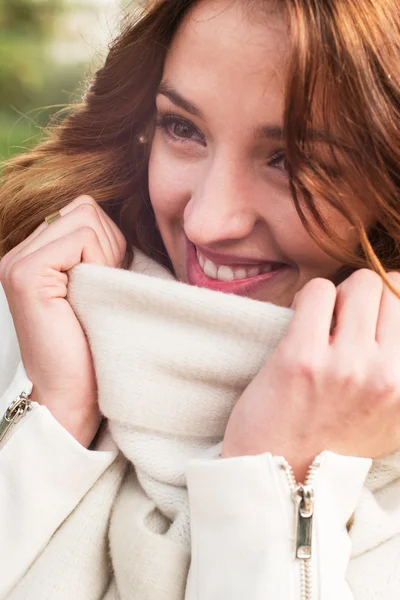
(168, 90)
(270, 132)
(276, 133)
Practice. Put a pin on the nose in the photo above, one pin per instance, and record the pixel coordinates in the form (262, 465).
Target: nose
(221, 207)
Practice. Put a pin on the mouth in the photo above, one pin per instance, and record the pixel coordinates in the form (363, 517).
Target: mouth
(241, 278)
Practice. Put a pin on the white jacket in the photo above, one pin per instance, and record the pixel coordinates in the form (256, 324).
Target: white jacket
(242, 511)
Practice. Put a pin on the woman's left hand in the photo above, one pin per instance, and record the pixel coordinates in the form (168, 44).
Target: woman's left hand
(327, 390)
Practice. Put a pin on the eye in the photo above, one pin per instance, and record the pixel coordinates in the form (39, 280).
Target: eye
(278, 161)
(182, 130)
(179, 129)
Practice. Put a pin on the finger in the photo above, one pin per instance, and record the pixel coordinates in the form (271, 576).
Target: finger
(357, 309)
(313, 312)
(116, 237)
(43, 226)
(83, 215)
(62, 254)
(388, 328)
(43, 270)
(107, 223)
(116, 240)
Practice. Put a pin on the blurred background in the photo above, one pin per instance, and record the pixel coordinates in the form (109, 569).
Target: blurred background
(46, 47)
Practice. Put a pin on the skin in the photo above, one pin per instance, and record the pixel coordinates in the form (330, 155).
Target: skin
(216, 182)
(225, 190)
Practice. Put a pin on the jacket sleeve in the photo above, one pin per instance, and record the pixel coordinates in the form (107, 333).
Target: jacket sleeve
(44, 472)
(245, 529)
(9, 349)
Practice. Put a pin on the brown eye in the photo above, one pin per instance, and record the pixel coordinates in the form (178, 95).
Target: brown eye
(279, 162)
(179, 129)
(183, 130)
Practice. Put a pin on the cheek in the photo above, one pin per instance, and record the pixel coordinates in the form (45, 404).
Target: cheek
(291, 237)
(298, 246)
(313, 259)
(344, 231)
(170, 184)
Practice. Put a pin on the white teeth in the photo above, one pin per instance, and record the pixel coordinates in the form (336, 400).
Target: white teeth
(210, 269)
(201, 258)
(241, 274)
(225, 274)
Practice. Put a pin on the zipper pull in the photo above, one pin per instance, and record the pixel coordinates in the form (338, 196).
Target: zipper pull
(14, 413)
(304, 502)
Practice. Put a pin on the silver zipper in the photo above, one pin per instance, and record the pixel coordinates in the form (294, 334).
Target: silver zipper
(303, 498)
(14, 413)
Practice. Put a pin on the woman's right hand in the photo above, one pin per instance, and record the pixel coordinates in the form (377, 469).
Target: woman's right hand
(54, 348)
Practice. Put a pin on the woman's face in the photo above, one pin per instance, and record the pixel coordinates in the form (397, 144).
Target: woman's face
(217, 177)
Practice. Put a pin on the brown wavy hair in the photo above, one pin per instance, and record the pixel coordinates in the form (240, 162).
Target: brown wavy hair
(343, 95)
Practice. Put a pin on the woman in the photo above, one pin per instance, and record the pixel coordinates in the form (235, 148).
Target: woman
(247, 148)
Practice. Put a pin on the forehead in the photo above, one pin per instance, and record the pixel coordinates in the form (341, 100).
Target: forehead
(224, 48)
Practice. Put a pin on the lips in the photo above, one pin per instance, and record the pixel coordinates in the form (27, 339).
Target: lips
(238, 278)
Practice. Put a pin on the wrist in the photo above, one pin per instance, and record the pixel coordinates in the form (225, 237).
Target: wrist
(83, 427)
(81, 421)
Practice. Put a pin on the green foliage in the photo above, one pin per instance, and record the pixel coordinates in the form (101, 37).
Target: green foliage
(29, 77)
(28, 15)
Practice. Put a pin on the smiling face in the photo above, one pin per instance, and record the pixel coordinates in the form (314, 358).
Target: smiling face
(217, 177)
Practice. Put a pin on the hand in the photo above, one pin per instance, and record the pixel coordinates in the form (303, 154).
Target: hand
(327, 390)
(54, 348)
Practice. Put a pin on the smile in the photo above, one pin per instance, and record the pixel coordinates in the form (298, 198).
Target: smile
(241, 278)
(230, 273)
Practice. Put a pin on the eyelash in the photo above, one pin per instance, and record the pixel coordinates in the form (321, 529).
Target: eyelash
(276, 158)
(165, 120)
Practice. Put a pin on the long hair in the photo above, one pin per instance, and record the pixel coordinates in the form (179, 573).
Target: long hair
(342, 122)
(342, 130)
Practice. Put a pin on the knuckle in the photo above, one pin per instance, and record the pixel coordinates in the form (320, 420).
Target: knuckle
(299, 367)
(387, 384)
(88, 235)
(365, 273)
(346, 373)
(366, 277)
(360, 282)
(304, 369)
(18, 274)
(88, 211)
(319, 286)
(84, 199)
(388, 391)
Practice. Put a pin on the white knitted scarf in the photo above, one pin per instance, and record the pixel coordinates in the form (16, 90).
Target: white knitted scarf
(171, 361)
